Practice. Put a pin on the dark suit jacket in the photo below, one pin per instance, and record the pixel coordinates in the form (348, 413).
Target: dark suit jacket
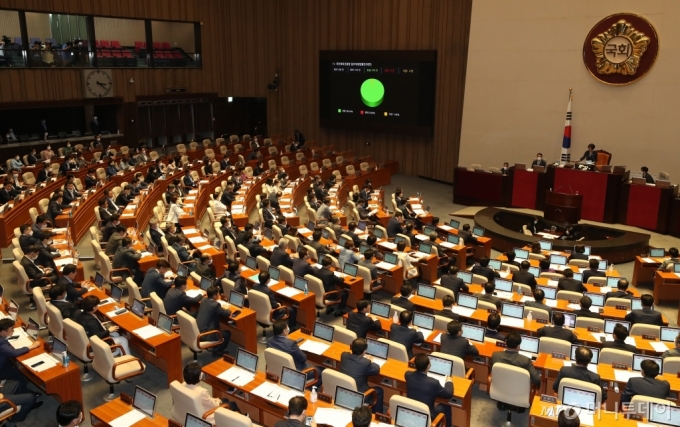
(648, 178)
(289, 346)
(154, 282)
(539, 305)
(403, 302)
(576, 255)
(53, 211)
(7, 196)
(42, 176)
(46, 257)
(587, 313)
(176, 299)
(619, 345)
(537, 162)
(113, 244)
(424, 389)
(126, 258)
(280, 257)
(488, 333)
(26, 241)
(646, 315)
(447, 313)
(321, 250)
(492, 299)
(205, 270)
(457, 346)
(467, 237)
(361, 324)
(580, 373)
(32, 270)
(67, 309)
(301, 267)
(90, 182)
(9, 352)
(209, 314)
(156, 237)
(406, 336)
(525, 278)
(329, 280)
(255, 249)
(122, 200)
(73, 289)
(454, 284)
(587, 274)
(105, 215)
(485, 272)
(394, 227)
(557, 332)
(359, 368)
(92, 325)
(570, 285)
(646, 387)
(515, 359)
(618, 294)
(68, 197)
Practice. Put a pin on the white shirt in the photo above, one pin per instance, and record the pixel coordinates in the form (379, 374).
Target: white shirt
(174, 213)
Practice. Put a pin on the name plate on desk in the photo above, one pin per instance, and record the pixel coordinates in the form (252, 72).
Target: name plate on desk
(491, 311)
(649, 337)
(621, 307)
(126, 398)
(172, 423)
(593, 329)
(382, 418)
(229, 359)
(633, 416)
(557, 355)
(617, 365)
(306, 331)
(544, 321)
(272, 377)
(411, 364)
(549, 399)
(573, 301)
(527, 294)
(325, 398)
(501, 344)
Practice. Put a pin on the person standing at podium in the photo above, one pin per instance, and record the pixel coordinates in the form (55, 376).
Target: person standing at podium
(646, 175)
(590, 155)
(538, 161)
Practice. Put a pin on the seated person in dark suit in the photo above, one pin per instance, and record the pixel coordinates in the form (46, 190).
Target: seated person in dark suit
(188, 181)
(403, 334)
(233, 274)
(592, 271)
(261, 286)
(315, 243)
(110, 227)
(667, 264)
(394, 225)
(647, 315)
(647, 385)
(8, 193)
(43, 174)
(90, 179)
(155, 281)
(27, 238)
(584, 311)
(493, 321)
(156, 234)
(280, 256)
(208, 319)
(621, 291)
(579, 252)
(70, 194)
(253, 245)
(510, 255)
(47, 252)
(115, 240)
(568, 283)
(104, 213)
(523, 276)
(489, 289)
(589, 156)
(111, 169)
(538, 161)
(579, 371)
(619, 343)
(454, 344)
(301, 265)
(534, 226)
(67, 309)
(466, 235)
(452, 282)
(512, 357)
(360, 322)
(351, 232)
(93, 326)
(39, 276)
(448, 303)
(483, 270)
(538, 302)
(367, 262)
(402, 299)
(557, 330)
(646, 175)
(331, 283)
(127, 257)
(360, 366)
(177, 299)
(281, 342)
(124, 197)
(205, 268)
(73, 289)
(424, 389)
(544, 264)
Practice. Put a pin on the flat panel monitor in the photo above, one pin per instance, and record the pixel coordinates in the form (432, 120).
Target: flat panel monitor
(529, 344)
(342, 241)
(549, 291)
(274, 273)
(13, 309)
(428, 229)
(397, 240)
(194, 421)
(363, 247)
(145, 401)
(662, 413)
(610, 324)
(478, 231)
(424, 321)
(473, 332)
(251, 263)
(33, 328)
(513, 310)
(598, 299)
(503, 285)
(205, 283)
(268, 234)
(165, 322)
(377, 348)
(521, 254)
(323, 331)
(182, 270)
(613, 282)
(138, 308)
(293, 379)
(545, 245)
(350, 269)
(657, 252)
(361, 225)
(495, 264)
(246, 360)
(578, 277)
(425, 248)
(378, 233)
(348, 399)
(466, 276)
(636, 304)
(426, 291)
(441, 366)
(454, 224)
(58, 347)
(391, 258)
(469, 301)
(536, 271)
(579, 398)
(409, 418)
(638, 358)
(602, 264)
(116, 292)
(595, 350)
(669, 334)
(676, 268)
(558, 259)
(586, 251)
(380, 309)
(453, 239)
(99, 280)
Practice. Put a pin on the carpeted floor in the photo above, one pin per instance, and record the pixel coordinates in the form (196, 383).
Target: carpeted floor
(437, 195)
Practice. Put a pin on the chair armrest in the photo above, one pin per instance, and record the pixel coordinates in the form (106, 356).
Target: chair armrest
(371, 392)
(120, 269)
(188, 262)
(115, 365)
(210, 412)
(470, 375)
(438, 421)
(488, 382)
(14, 408)
(274, 310)
(332, 302)
(204, 334)
(316, 376)
(379, 284)
(115, 346)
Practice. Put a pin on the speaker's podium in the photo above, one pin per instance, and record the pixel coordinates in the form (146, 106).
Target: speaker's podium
(562, 208)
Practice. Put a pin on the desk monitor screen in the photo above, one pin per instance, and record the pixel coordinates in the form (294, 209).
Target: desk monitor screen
(569, 319)
(33, 328)
(578, 277)
(578, 398)
(301, 283)
(454, 224)
(361, 225)
(636, 304)
(268, 234)
(99, 280)
(521, 253)
(409, 418)
(380, 309)
(441, 366)
(323, 331)
(549, 291)
(116, 292)
(151, 248)
(311, 225)
(426, 248)
(165, 322)
(657, 252)
(145, 401)
(613, 282)
(425, 321)
(293, 379)
(453, 239)
(377, 348)
(58, 347)
(466, 276)
(251, 263)
(586, 251)
(246, 360)
(661, 413)
(205, 283)
(669, 334)
(391, 258)
(503, 285)
(274, 273)
(363, 247)
(468, 301)
(350, 269)
(426, 291)
(236, 299)
(194, 421)
(545, 245)
(473, 332)
(595, 350)
(598, 299)
(602, 265)
(348, 399)
(13, 309)
(638, 358)
(513, 310)
(529, 344)
(428, 229)
(378, 233)
(138, 308)
(676, 268)
(610, 324)
(342, 241)
(478, 231)
(495, 264)
(536, 271)
(182, 270)
(558, 259)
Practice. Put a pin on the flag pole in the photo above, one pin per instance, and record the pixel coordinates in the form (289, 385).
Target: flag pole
(565, 152)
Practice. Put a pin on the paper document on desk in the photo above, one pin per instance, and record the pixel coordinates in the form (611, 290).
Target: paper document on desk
(504, 295)
(204, 247)
(550, 302)
(48, 362)
(237, 376)
(440, 378)
(422, 237)
(604, 289)
(552, 283)
(649, 260)
(574, 306)
(112, 313)
(438, 338)
(513, 322)
(59, 262)
(193, 293)
(447, 245)
(385, 265)
(333, 417)
(59, 230)
(197, 239)
(128, 419)
(659, 346)
(190, 198)
(22, 341)
(462, 311)
(147, 332)
(389, 245)
(146, 254)
(419, 212)
(275, 393)
(315, 347)
(191, 230)
(304, 230)
(623, 376)
(373, 212)
(592, 367)
(289, 291)
(188, 205)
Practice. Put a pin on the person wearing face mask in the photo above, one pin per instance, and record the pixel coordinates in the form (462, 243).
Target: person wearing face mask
(205, 268)
(68, 150)
(538, 161)
(590, 155)
(33, 271)
(69, 414)
(32, 157)
(10, 136)
(8, 192)
(47, 153)
(16, 162)
(47, 253)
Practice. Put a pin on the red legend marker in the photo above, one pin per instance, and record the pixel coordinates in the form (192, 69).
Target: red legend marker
(361, 112)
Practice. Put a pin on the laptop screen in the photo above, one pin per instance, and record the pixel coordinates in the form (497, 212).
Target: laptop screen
(521, 253)
(536, 271)
(610, 324)
(579, 398)
(636, 304)
(426, 291)
(58, 347)
(13, 309)
(274, 273)
(529, 344)
(495, 264)
(165, 322)
(513, 310)
(300, 283)
(425, 248)
(454, 224)
(657, 252)
(669, 334)
(293, 379)
(380, 309)
(251, 263)
(425, 321)
(503, 285)
(323, 331)
(638, 358)
(246, 360)
(550, 292)
(268, 234)
(377, 348)
(428, 229)
(598, 299)
(348, 399)
(478, 231)
(578, 277)
(397, 240)
(194, 421)
(99, 280)
(342, 241)
(453, 239)
(182, 270)
(311, 225)
(468, 301)
(602, 265)
(586, 250)
(466, 276)
(613, 282)
(596, 353)
(236, 299)
(361, 225)
(661, 413)
(676, 268)
(138, 308)
(144, 401)
(391, 258)
(350, 269)
(569, 319)
(410, 418)
(33, 328)
(472, 332)
(205, 283)
(363, 247)
(116, 292)
(558, 259)
(545, 245)
(441, 366)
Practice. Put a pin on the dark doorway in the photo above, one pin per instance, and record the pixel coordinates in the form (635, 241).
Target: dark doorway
(238, 116)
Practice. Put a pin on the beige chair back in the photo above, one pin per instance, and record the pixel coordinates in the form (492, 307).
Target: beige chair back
(568, 295)
(190, 333)
(227, 418)
(344, 335)
(55, 322)
(589, 322)
(41, 306)
(243, 252)
(77, 340)
(511, 385)
(536, 313)
(639, 404)
(275, 360)
(398, 400)
(332, 379)
(671, 365)
(107, 366)
(553, 345)
(260, 303)
(613, 302)
(640, 329)
(157, 305)
(397, 351)
(107, 268)
(611, 355)
(593, 280)
(262, 263)
(227, 287)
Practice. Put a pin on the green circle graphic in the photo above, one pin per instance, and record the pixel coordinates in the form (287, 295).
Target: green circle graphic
(372, 92)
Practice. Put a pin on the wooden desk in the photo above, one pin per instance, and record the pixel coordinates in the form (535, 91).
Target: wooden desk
(482, 248)
(104, 414)
(644, 272)
(481, 188)
(645, 206)
(666, 287)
